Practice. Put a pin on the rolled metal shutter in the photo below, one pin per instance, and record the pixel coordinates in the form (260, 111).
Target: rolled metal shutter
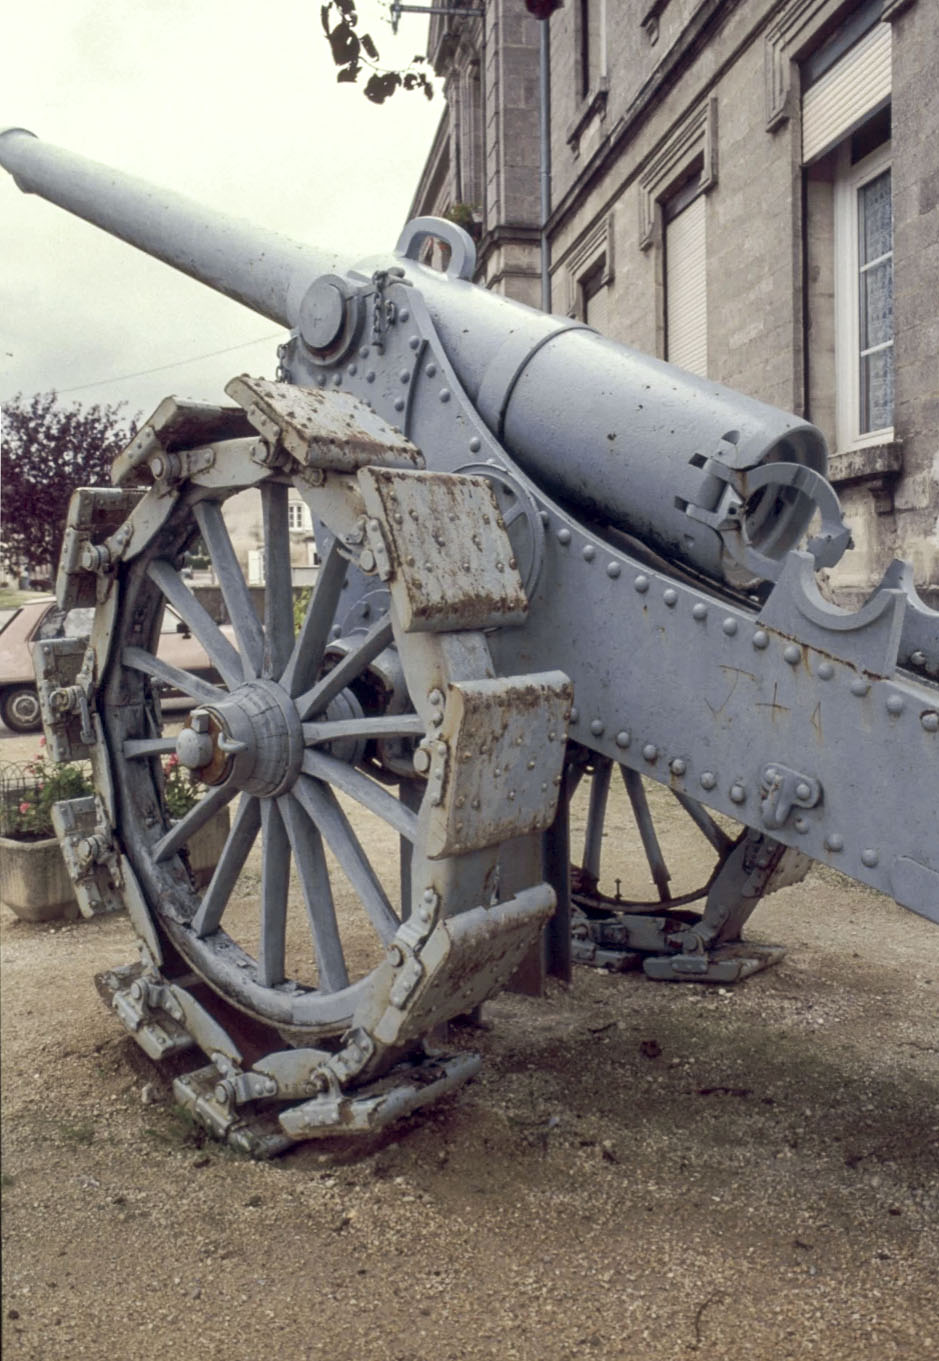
(686, 288)
(844, 96)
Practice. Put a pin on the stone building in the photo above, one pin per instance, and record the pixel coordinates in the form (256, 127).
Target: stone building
(748, 188)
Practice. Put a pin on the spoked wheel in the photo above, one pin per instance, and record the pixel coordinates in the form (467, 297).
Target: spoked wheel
(301, 904)
(647, 853)
(355, 905)
(624, 821)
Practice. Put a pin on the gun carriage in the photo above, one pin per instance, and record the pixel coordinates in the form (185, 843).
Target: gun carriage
(546, 559)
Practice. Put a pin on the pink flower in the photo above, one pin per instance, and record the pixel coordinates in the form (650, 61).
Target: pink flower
(42, 741)
(172, 762)
(25, 807)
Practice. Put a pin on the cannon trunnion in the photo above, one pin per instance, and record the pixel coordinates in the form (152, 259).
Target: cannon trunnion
(547, 562)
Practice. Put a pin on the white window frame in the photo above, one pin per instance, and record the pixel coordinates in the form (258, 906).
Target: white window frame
(849, 180)
(297, 511)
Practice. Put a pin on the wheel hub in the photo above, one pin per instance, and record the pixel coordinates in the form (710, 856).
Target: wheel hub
(253, 737)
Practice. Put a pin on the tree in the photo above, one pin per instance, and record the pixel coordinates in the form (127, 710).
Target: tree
(352, 50)
(48, 451)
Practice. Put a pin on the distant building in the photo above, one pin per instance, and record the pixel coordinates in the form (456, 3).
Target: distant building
(748, 188)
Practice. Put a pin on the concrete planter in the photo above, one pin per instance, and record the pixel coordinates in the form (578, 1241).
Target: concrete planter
(206, 847)
(34, 881)
(36, 885)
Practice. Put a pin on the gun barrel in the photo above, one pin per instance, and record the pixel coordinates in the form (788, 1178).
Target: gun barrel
(263, 270)
(630, 440)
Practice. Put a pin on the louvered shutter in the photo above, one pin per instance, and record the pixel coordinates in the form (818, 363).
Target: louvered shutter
(686, 288)
(843, 97)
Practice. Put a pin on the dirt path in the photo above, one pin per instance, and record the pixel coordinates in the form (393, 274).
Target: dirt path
(642, 1171)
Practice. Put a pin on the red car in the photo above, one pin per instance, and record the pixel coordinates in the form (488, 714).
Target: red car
(42, 618)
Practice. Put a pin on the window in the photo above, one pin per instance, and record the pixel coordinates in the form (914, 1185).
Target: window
(589, 272)
(863, 295)
(594, 298)
(590, 42)
(686, 339)
(849, 231)
(297, 515)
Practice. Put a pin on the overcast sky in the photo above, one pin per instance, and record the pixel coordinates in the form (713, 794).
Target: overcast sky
(235, 104)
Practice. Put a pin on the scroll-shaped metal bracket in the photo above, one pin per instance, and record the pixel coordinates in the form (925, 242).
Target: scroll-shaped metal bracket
(919, 640)
(729, 518)
(868, 638)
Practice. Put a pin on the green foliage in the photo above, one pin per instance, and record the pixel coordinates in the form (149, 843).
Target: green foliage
(180, 791)
(48, 451)
(32, 788)
(301, 601)
(352, 51)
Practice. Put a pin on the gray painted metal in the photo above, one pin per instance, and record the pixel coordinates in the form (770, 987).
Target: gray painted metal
(580, 599)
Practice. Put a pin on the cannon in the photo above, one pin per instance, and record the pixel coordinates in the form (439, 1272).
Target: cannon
(546, 560)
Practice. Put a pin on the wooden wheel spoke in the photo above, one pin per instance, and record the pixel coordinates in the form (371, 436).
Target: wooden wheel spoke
(275, 880)
(650, 842)
(140, 660)
(233, 586)
(318, 697)
(136, 747)
(240, 839)
(358, 786)
(222, 655)
(278, 587)
(190, 823)
(304, 663)
(310, 860)
(323, 807)
(333, 730)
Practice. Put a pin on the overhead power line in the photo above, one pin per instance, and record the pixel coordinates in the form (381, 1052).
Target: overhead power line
(161, 368)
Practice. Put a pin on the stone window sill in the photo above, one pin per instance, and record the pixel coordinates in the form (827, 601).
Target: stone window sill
(875, 467)
(872, 460)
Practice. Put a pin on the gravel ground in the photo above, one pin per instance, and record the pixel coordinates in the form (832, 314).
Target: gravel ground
(641, 1171)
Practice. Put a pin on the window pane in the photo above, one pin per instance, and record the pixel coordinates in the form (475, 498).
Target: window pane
(877, 391)
(877, 304)
(874, 219)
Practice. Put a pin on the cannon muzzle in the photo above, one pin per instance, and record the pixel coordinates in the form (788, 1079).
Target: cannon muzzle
(267, 272)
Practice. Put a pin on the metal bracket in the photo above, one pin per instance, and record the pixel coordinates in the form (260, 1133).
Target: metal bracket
(453, 564)
(66, 696)
(505, 740)
(728, 519)
(96, 534)
(91, 856)
(375, 556)
(370, 1108)
(782, 790)
(322, 429)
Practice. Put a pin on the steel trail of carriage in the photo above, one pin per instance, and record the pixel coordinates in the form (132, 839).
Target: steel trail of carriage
(545, 559)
